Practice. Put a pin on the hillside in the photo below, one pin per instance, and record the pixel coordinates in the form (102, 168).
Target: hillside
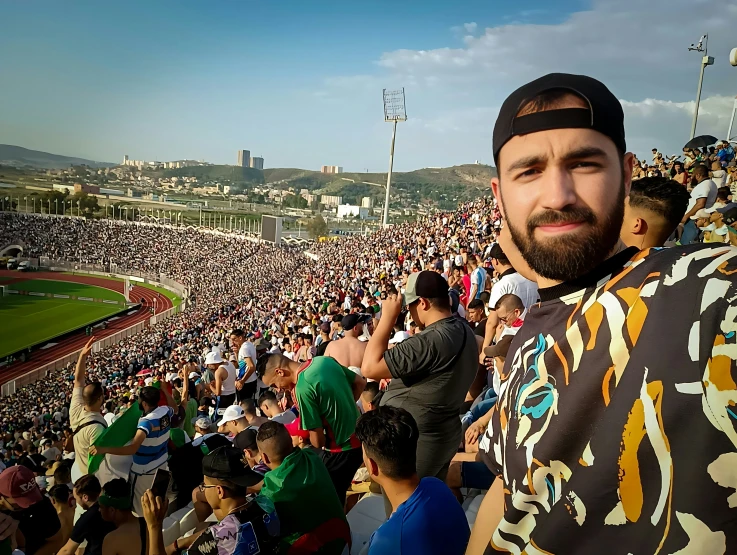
(20, 157)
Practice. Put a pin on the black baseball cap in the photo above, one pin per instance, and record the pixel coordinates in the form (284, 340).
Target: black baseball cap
(604, 113)
(730, 216)
(496, 252)
(426, 284)
(352, 320)
(226, 463)
(245, 439)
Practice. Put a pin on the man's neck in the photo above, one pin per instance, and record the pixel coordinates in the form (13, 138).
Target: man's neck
(398, 491)
(435, 316)
(544, 283)
(228, 506)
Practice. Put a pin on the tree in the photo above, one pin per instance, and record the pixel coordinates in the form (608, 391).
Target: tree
(53, 201)
(88, 204)
(317, 227)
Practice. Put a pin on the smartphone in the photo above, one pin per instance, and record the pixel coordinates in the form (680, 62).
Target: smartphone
(161, 483)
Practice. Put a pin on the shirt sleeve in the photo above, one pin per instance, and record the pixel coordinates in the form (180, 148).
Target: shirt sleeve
(81, 528)
(75, 407)
(146, 425)
(309, 407)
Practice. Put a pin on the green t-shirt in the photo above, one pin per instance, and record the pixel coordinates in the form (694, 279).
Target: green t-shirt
(190, 411)
(177, 437)
(325, 399)
(305, 500)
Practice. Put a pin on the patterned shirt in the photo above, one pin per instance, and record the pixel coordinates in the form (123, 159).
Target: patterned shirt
(616, 424)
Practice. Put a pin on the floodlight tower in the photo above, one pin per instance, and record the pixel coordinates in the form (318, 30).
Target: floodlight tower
(394, 111)
(733, 63)
(706, 60)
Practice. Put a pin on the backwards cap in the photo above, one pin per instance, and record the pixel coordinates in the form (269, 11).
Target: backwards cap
(604, 113)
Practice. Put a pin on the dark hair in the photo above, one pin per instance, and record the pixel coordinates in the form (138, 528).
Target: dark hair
(117, 488)
(440, 303)
(372, 390)
(389, 436)
(248, 406)
(723, 193)
(700, 170)
(476, 303)
(149, 395)
(92, 393)
(278, 438)
(267, 395)
(484, 297)
(238, 332)
(510, 301)
(546, 100)
(63, 474)
(110, 406)
(88, 485)
(662, 196)
(60, 492)
(268, 362)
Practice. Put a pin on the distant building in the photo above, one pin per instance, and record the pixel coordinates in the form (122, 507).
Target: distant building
(331, 169)
(257, 162)
(351, 211)
(84, 188)
(244, 158)
(331, 200)
(367, 202)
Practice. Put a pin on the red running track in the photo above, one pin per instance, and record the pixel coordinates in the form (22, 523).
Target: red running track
(77, 340)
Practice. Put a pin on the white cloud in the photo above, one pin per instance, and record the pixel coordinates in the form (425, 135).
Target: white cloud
(638, 49)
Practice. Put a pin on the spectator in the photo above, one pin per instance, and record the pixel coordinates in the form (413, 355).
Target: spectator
(149, 445)
(477, 277)
(324, 340)
(426, 517)
(84, 411)
(325, 393)
(224, 385)
(476, 316)
(129, 537)
(568, 406)
(50, 452)
(298, 484)
(234, 420)
(202, 426)
(245, 523)
(37, 519)
(368, 397)
(703, 195)
(652, 211)
(349, 350)
(246, 442)
(246, 383)
(270, 408)
(251, 414)
(63, 502)
(430, 372)
(90, 527)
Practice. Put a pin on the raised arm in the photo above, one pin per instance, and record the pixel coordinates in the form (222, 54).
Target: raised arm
(374, 366)
(79, 371)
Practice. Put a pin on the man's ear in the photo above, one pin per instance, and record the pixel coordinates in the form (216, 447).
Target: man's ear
(265, 457)
(639, 227)
(372, 467)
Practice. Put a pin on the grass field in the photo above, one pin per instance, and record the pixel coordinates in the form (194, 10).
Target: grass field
(28, 320)
(175, 299)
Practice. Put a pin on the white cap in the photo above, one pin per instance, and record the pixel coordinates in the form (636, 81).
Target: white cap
(148, 381)
(399, 337)
(193, 375)
(233, 412)
(213, 357)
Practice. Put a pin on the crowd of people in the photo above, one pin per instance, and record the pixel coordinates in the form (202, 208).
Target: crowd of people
(536, 357)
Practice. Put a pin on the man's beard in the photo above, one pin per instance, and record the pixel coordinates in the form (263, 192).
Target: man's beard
(572, 255)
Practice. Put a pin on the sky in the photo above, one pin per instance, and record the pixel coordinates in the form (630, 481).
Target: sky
(300, 83)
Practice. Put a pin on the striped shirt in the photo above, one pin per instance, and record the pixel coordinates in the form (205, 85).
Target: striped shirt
(153, 452)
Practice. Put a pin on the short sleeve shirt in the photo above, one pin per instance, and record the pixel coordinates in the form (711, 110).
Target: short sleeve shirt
(615, 430)
(325, 399)
(247, 350)
(87, 435)
(92, 528)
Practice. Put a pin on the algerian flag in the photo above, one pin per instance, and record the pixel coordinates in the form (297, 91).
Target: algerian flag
(118, 434)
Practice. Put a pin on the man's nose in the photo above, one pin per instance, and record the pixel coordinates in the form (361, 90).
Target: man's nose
(558, 189)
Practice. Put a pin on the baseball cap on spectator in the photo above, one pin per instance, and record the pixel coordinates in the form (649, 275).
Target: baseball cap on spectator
(19, 483)
(496, 252)
(603, 114)
(193, 375)
(700, 214)
(245, 440)
(202, 422)
(260, 344)
(730, 216)
(426, 284)
(213, 357)
(399, 337)
(225, 463)
(295, 429)
(724, 209)
(325, 327)
(232, 413)
(352, 320)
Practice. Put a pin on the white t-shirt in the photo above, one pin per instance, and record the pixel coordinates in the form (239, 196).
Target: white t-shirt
(515, 284)
(706, 189)
(247, 350)
(285, 417)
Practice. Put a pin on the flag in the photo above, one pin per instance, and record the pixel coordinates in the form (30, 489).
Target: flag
(118, 434)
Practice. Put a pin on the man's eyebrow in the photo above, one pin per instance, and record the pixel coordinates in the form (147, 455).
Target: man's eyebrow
(536, 159)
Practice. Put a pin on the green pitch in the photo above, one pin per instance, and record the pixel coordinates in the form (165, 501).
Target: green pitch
(28, 320)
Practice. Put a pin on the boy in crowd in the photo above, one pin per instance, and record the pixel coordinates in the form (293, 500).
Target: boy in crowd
(299, 485)
(426, 516)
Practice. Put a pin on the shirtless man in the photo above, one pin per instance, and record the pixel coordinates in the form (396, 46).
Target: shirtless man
(348, 351)
(129, 536)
